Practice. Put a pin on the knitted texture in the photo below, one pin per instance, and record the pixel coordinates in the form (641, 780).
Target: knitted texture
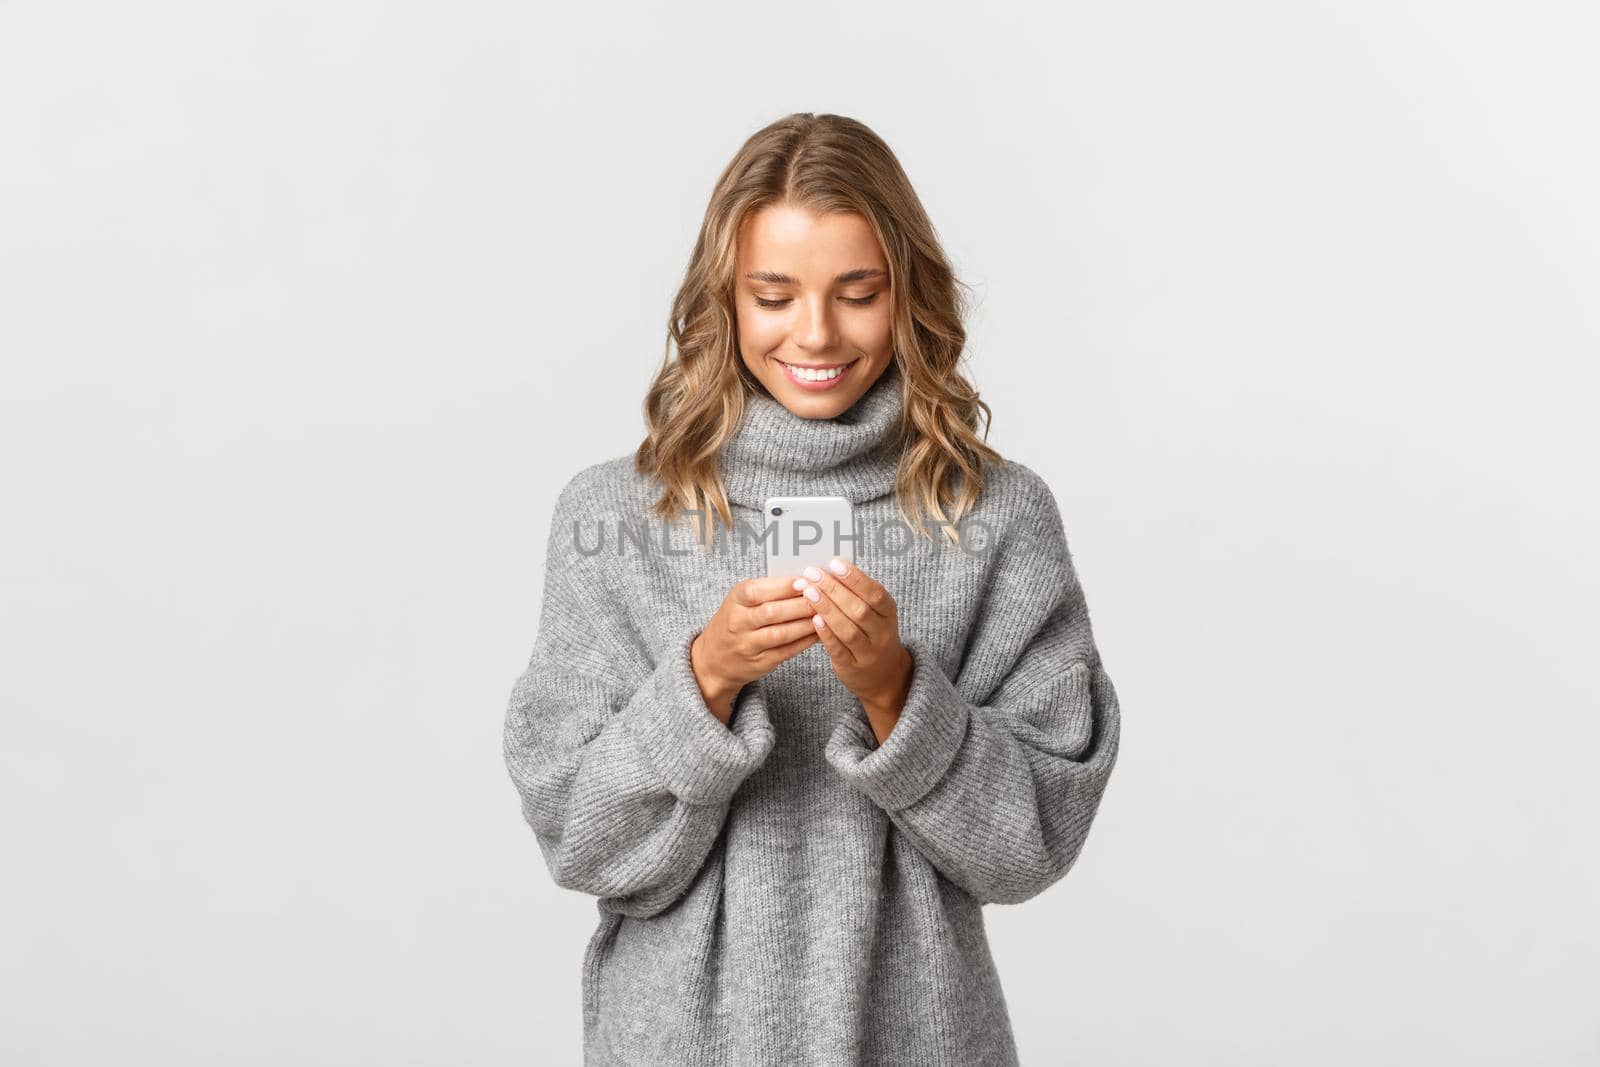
(784, 890)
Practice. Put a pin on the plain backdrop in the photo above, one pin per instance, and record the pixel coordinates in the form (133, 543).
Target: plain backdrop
(308, 310)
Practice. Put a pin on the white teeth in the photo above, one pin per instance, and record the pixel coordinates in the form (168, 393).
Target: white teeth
(815, 375)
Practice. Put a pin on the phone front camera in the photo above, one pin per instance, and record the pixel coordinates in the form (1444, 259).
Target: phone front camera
(777, 511)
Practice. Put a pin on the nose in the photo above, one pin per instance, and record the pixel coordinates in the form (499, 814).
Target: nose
(814, 332)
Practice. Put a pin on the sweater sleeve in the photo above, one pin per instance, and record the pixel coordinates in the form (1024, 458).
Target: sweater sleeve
(624, 774)
(997, 786)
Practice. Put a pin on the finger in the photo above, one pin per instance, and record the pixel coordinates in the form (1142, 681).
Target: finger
(773, 612)
(843, 628)
(753, 591)
(846, 600)
(837, 649)
(793, 648)
(863, 585)
(769, 637)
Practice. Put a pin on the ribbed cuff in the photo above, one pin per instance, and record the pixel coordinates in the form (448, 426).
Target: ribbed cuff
(700, 760)
(919, 749)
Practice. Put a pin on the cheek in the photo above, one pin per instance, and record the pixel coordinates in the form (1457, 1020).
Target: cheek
(759, 332)
(870, 333)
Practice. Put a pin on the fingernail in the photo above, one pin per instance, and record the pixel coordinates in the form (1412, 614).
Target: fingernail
(799, 584)
(812, 573)
(812, 594)
(836, 565)
(822, 623)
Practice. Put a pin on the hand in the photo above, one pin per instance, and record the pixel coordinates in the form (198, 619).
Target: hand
(860, 627)
(761, 623)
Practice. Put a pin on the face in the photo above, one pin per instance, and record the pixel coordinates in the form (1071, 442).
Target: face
(813, 301)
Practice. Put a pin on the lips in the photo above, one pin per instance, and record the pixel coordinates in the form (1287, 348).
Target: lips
(815, 377)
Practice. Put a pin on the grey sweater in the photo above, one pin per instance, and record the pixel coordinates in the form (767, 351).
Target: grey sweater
(784, 890)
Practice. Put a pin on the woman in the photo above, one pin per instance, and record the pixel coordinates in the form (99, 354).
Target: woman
(791, 847)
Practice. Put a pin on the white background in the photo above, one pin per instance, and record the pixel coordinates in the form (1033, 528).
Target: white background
(307, 311)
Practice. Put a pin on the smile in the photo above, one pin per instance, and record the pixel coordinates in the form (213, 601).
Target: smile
(816, 378)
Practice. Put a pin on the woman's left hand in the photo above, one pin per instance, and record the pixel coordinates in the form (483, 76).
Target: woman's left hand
(859, 625)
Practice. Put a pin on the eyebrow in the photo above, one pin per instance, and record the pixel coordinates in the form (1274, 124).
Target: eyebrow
(776, 278)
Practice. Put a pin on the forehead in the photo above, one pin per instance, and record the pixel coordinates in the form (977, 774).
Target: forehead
(794, 240)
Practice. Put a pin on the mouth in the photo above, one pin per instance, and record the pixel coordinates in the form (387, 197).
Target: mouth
(816, 378)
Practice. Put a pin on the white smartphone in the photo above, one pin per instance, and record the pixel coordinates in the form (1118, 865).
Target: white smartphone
(808, 532)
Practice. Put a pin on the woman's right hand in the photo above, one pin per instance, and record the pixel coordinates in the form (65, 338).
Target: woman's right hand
(761, 623)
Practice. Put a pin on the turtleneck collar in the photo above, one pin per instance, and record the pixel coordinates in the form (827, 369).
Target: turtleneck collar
(855, 455)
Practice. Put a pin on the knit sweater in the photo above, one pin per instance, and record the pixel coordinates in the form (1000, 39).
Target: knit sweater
(783, 889)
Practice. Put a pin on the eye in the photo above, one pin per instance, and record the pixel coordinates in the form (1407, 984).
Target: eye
(858, 301)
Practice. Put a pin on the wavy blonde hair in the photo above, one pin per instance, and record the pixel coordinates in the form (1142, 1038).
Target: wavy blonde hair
(825, 163)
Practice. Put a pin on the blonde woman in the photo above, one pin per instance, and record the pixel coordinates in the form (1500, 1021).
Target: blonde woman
(791, 800)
